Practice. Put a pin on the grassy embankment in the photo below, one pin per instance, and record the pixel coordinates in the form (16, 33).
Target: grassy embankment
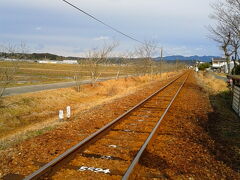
(28, 115)
(29, 73)
(224, 124)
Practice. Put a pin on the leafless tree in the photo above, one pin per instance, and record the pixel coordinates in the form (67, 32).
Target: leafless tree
(123, 61)
(223, 36)
(23, 49)
(145, 53)
(78, 76)
(7, 74)
(235, 43)
(97, 58)
(227, 30)
(227, 13)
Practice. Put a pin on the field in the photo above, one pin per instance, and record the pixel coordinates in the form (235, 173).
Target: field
(29, 73)
(39, 111)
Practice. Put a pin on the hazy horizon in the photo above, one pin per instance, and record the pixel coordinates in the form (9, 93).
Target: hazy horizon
(55, 27)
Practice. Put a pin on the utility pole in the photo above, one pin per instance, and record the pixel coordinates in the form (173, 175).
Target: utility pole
(177, 65)
(161, 59)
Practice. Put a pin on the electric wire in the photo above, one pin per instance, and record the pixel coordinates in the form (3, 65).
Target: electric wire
(105, 24)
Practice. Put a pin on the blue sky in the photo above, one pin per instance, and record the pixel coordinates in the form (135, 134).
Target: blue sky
(53, 26)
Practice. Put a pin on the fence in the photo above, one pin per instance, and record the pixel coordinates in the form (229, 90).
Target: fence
(236, 99)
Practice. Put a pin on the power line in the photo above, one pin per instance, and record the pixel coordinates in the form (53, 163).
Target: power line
(105, 24)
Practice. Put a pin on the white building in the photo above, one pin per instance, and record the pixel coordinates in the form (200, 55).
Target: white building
(58, 62)
(69, 62)
(221, 64)
(48, 62)
(218, 63)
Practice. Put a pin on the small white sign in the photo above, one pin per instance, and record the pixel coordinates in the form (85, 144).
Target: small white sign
(106, 157)
(68, 112)
(113, 146)
(61, 115)
(97, 170)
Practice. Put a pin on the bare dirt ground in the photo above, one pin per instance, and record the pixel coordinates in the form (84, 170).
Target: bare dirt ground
(28, 156)
(184, 149)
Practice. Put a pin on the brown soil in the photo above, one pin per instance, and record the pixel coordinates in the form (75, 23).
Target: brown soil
(23, 115)
(28, 156)
(127, 136)
(183, 148)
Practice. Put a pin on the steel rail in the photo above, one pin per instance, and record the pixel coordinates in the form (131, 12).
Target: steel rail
(49, 166)
(150, 137)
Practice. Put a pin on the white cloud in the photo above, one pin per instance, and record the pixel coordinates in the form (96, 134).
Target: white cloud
(178, 25)
(101, 38)
(178, 50)
(38, 28)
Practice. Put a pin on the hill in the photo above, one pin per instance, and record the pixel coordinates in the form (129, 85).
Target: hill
(185, 58)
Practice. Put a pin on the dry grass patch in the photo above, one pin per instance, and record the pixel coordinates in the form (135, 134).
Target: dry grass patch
(212, 84)
(34, 73)
(28, 112)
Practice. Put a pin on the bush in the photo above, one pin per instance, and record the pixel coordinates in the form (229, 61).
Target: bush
(203, 66)
(236, 70)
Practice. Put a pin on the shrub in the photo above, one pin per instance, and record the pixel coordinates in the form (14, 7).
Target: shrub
(203, 66)
(236, 70)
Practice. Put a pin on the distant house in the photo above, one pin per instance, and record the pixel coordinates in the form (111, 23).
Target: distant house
(69, 62)
(58, 62)
(220, 64)
(48, 62)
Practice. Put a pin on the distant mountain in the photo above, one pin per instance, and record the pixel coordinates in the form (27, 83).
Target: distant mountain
(189, 58)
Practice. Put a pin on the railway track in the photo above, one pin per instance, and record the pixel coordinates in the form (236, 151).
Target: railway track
(114, 150)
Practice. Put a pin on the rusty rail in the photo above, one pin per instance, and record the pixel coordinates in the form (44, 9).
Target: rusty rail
(150, 137)
(68, 155)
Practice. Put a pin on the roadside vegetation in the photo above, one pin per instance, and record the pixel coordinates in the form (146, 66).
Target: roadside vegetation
(32, 112)
(35, 111)
(223, 124)
(203, 66)
(100, 62)
(236, 70)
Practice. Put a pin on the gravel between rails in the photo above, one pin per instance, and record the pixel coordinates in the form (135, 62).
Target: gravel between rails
(122, 142)
(30, 155)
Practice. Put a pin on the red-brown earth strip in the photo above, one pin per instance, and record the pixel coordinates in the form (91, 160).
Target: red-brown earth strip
(127, 137)
(183, 148)
(30, 155)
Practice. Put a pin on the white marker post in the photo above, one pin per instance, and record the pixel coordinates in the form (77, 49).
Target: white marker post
(61, 115)
(68, 112)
